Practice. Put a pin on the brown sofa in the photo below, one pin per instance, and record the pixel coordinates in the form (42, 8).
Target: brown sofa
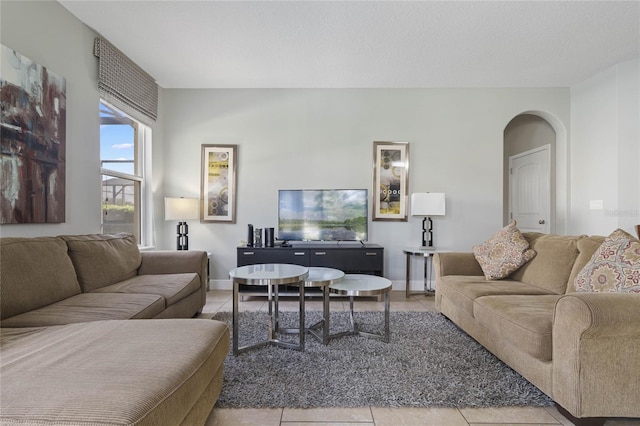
(70, 353)
(581, 349)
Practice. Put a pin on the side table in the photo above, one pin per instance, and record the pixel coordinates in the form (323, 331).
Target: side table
(319, 277)
(323, 277)
(427, 256)
(363, 285)
(271, 275)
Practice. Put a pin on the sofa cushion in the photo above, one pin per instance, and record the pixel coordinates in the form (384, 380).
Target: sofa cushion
(552, 265)
(111, 372)
(36, 272)
(102, 259)
(172, 287)
(525, 321)
(463, 290)
(503, 253)
(586, 247)
(614, 266)
(86, 307)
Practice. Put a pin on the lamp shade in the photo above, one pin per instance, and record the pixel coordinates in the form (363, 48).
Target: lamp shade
(427, 204)
(181, 208)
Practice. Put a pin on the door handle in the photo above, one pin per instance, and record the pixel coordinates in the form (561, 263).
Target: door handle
(541, 221)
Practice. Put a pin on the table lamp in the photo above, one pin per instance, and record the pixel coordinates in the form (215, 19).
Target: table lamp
(181, 209)
(427, 204)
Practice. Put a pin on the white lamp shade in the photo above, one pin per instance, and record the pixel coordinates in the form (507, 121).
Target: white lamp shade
(181, 208)
(428, 204)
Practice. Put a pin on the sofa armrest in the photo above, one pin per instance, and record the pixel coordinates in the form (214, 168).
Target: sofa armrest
(176, 262)
(596, 342)
(456, 263)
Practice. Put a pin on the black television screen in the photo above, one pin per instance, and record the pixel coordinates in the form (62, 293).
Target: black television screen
(323, 214)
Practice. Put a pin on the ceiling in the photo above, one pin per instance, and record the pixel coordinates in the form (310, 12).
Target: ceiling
(367, 44)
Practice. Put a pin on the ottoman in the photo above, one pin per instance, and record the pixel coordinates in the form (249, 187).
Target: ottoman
(142, 372)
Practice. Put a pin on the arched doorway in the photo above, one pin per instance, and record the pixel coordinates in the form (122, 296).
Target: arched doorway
(529, 184)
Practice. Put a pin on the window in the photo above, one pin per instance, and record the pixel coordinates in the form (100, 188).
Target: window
(123, 149)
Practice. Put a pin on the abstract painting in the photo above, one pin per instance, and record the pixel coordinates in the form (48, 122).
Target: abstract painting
(33, 133)
(390, 180)
(218, 183)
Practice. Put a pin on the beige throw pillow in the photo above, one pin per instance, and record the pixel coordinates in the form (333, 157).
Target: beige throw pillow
(503, 253)
(614, 266)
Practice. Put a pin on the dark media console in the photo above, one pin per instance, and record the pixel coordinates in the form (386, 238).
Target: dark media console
(351, 258)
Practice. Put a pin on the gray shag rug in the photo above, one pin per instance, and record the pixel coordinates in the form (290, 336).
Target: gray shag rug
(429, 362)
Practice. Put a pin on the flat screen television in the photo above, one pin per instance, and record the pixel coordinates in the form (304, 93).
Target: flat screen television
(323, 214)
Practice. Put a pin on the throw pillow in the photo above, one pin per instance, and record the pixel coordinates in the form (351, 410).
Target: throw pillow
(503, 253)
(614, 266)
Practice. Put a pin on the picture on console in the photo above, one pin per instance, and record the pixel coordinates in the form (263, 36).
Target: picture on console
(323, 215)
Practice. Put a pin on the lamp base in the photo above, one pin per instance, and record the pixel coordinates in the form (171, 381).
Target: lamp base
(182, 240)
(427, 232)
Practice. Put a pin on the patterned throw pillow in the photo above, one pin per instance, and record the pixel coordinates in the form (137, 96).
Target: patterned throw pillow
(503, 253)
(613, 268)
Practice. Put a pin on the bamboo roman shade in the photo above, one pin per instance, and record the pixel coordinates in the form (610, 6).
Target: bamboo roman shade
(123, 83)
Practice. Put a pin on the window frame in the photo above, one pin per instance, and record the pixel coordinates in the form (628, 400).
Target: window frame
(142, 199)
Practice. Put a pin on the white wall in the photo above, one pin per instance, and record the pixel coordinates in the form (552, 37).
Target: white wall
(47, 33)
(324, 139)
(605, 148)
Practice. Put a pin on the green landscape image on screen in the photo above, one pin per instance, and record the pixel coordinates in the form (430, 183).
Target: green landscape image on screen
(323, 215)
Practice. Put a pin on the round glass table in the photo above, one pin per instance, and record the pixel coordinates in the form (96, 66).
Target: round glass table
(353, 285)
(271, 275)
(322, 277)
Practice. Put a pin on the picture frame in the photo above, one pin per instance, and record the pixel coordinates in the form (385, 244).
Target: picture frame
(32, 141)
(390, 181)
(218, 183)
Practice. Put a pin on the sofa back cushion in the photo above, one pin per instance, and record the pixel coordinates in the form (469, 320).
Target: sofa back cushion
(36, 272)
(102, 259)
(552, 266)
(586, 246)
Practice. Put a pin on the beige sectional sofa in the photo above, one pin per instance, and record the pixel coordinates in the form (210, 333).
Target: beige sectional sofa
(94, 331)
(581, 349)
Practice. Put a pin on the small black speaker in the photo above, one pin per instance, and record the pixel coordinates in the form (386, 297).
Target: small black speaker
(268, 237)
(250, 236)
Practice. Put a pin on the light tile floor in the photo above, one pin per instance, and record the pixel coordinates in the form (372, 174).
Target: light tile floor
(220, 300)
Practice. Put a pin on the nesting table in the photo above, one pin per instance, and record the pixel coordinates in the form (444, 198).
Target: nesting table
(271, 275)
(330, 280)
(323, 277)
(363, 285)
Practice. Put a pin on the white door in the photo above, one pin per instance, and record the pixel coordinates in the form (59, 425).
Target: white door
(529, 190)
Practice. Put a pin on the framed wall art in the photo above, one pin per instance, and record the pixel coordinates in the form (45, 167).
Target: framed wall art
(390, 180)
(218, 185)
(33, 141)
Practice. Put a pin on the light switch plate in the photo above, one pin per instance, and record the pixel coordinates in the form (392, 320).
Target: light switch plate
(596, 204)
